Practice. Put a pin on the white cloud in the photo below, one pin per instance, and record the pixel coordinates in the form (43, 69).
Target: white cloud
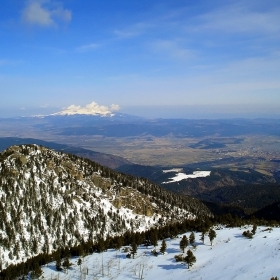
(115, 107)
(90, 109)
(133, 31)
(239, 18)
(126, 34)
(44, 13)
(173, 49)
(88, 47)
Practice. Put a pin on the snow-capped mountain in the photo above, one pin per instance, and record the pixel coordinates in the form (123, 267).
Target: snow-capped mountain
(51, 200)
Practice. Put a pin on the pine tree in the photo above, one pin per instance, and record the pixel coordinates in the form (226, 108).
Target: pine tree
(133, 248)
(163, 247)
(119, 242)
(203, 232)
(254, 229)
(37, 271)
(79, 262)
(58, 264)
(192, 238)
(66, 264)
(101, 245)
(184, 243)
(154, 237)
(190, 259)
(212, 235)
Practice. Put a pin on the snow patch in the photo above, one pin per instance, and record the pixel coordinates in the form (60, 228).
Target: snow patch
(181, 176)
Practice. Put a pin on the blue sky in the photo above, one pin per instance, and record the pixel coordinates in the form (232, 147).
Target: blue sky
(151, 58)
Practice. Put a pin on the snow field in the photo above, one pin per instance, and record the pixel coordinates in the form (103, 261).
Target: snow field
(182, 176)
(232, 256)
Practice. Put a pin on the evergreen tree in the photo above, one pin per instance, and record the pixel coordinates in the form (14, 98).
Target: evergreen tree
(212, 235)
(184, 243)
(190, 259)
(138, 238)
(119, 242)
(66, 264)
(192, 238)
(163, 247)
(254, 229)
(133, 248)
(101, 245)
(154, 237)
(37, 272)
(203, 232)
(79, 262)
(58, 264)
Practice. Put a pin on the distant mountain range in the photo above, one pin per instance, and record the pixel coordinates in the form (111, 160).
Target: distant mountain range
(123, 125)
(107, 160)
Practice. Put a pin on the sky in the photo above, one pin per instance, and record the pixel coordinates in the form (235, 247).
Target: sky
(150, 58)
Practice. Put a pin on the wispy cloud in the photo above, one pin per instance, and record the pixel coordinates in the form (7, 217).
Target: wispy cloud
(173, 49)
(4, 62)
(45, 13)
(126, 33)
(238, 18)
(86, 48)
(44, 106)
(90, 109)
(134, 30)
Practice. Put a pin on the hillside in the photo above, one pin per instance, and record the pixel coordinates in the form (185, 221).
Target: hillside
(270, 212)
(232, 256)
(51, 200)
(243, 188)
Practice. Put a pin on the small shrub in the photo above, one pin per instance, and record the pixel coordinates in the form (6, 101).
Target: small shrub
(126, 249)
(179, 258)
(154, 252)
(248, 234)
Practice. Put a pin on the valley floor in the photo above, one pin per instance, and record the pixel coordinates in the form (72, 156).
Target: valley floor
(232, 256)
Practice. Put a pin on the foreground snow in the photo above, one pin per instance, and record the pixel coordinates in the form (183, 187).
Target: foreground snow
(232, 256)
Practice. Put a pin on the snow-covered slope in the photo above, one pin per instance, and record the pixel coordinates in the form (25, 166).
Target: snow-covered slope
(232, 256)
(51, 200)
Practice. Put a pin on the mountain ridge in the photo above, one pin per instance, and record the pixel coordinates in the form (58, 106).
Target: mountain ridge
(50, 200)
(108, 160)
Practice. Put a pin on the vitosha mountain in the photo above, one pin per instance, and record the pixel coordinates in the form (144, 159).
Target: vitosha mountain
(51, 200)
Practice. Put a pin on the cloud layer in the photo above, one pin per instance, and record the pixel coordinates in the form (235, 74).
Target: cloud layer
(90, 109)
